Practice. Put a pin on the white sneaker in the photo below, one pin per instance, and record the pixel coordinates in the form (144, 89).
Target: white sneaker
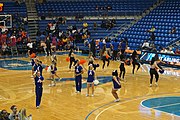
(50, 85)
(150, 85)
(37, 107)
(87, 95)
(92, 95)
(156, 84)
(117, 100)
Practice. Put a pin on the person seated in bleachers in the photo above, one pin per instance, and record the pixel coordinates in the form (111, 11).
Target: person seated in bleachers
(23, 115)
(163, 50)
(177, 52)
(14, 115)
(169, 51)
(4, 115)
(173, 30)
(152, 30)
(146, 45)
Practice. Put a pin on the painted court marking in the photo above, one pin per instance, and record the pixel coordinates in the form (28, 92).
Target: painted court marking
(126, 100)
(165, 107)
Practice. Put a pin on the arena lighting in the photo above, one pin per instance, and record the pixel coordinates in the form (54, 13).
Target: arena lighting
(1, 7)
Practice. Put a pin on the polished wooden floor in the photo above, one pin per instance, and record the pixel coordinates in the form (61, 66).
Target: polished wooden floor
(62, 103)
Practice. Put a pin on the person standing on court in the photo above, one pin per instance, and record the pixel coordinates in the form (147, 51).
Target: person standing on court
(92, 46)
(78, 77)
(116, 85)
(48, 45)
(115, 46)
(154, 70)
(90, 80)
(135, 61)
(38, 87)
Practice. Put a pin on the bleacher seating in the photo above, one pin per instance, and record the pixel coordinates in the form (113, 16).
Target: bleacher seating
(88, 8)
(164, 17)
(13, 8)
(96, 34)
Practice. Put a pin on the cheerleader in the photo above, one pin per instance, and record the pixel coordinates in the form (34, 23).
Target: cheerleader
(90, 80)
(104, 58)
(122, 67)
(38, 87)
(154, 70)
(72, 58)
(35, 64)
(78, 76)
(116, 85)
(135, 62)
(53, 73)
(91, 61)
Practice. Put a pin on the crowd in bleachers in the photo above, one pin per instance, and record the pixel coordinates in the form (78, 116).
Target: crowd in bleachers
(15, 36)
(15, 114)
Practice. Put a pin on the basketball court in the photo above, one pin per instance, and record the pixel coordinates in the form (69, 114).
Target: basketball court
(137, 99)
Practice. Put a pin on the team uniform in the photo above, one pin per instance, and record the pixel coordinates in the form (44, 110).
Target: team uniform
(40, 69)
(122, 69)
(116, 86)
(72, 59)
(135, 62)
(105, 59)
(38, 89)
(78, 79)
(91, 61)
(90, 77)
(153, 71)
(53, 69)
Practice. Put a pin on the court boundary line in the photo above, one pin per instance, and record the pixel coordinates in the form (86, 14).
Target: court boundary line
(159, 107)
(128, 99)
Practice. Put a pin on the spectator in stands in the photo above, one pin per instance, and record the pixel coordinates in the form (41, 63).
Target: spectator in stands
(146, 45)
(153, 48)
(23, 116)
(173, 30)
(4, 115)
(169, 51)
(152, 30)
(14, 115)
(153, 37)
(3, 48)
(177, 51)
(95, 26)
(30, 47)
(163, 50)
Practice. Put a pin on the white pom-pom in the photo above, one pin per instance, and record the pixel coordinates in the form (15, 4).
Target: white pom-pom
(96, 82)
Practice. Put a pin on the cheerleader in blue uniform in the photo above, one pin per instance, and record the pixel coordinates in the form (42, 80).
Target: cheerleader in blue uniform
(53, 73)
(35, 64)
(72, 59)
(78, 76)
(122, 67)
(38, 87)
(91, 61)
(116, 85)
(90, 80)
